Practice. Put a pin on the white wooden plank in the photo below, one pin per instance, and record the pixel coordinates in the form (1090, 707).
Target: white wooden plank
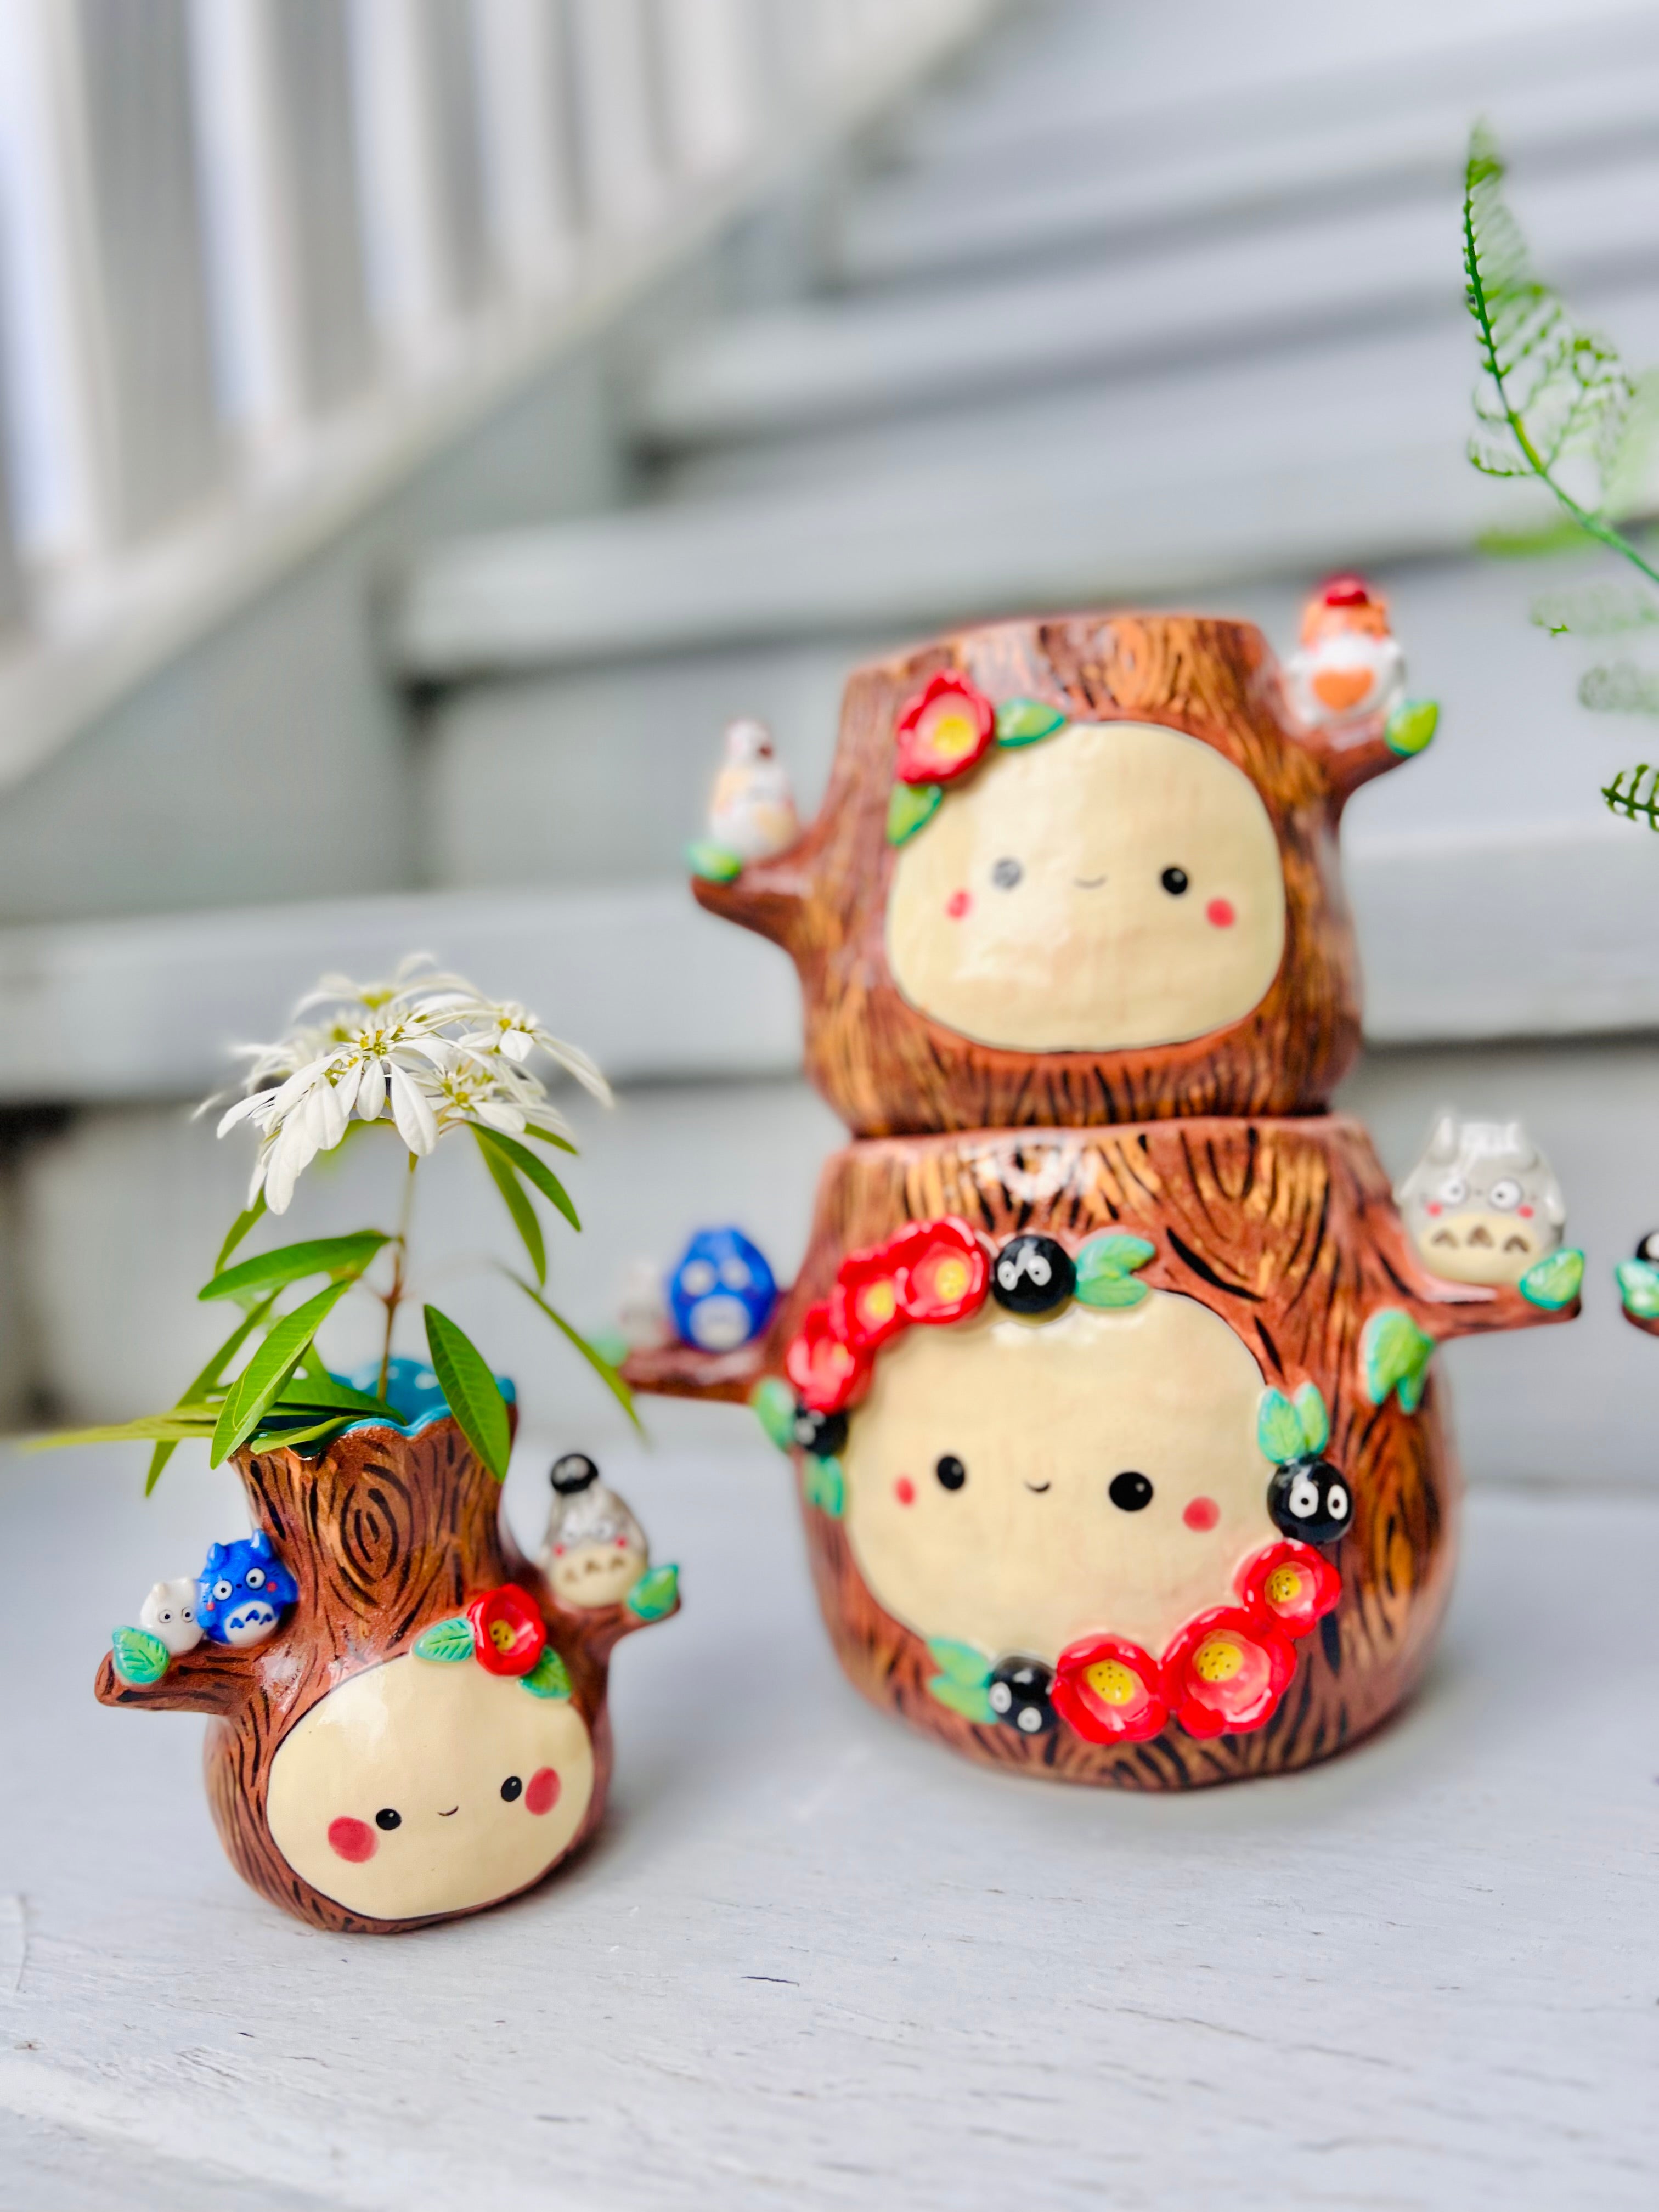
(811, 1961)
(527, 144)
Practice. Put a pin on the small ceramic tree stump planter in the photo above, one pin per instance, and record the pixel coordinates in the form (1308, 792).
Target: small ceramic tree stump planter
(425, 1733)
(1118, 1452)
(1076, 872)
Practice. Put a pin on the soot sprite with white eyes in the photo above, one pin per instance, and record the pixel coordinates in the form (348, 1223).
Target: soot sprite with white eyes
(1008, 873)
(1648, 1249)
(1033, 1275)
(820, 1435)
(1130, 1491)
(949, 1471)
(1175, 881)
(1310, 1500)
(1019, 1693)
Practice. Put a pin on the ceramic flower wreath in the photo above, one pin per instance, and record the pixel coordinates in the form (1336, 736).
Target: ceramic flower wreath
(943, 734)
(1226, 1670)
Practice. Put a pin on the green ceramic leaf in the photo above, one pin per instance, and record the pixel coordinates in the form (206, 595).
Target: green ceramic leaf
(1555, 1281)
(140, 1658)
(1394, 1355)
(445, 1640)
(972, 1704)
(1278, 1430)
(1312, 1419)
(549, 1678)
(1638, 1288)
(654, 1594)
(825, 1486)
(515, 1199)
(715, 864)
(1106, 1266)
(1023, 722)
(470, 1391)
(291, 1263)
(1411, 726)
(960, 1663)
(774, 1402)
(908, 808)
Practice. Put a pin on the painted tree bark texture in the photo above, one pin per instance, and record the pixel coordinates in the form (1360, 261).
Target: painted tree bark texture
(385, 1534)
(886, 1068)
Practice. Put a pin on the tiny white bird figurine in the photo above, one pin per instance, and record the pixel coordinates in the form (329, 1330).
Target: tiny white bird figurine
(753, 811)
(1350, 665)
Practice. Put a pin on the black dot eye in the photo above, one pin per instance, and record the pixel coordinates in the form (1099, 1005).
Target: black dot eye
(1129, 1491)
(1007, 873)
(512, 1789)
(951, 1471)
(1648, 1249)
(1174, 881)
(388, 1820)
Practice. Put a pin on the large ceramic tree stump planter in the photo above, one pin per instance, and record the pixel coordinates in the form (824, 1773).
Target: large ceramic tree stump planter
(426, 1733)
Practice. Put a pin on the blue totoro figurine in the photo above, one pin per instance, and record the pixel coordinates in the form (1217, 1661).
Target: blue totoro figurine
(243, 1591)
(722, 1293)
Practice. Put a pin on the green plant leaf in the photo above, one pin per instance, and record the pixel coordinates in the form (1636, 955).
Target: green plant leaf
(239, 1229)
(445, 1641)
(774, 1402)
(607, 1373)
(1023, 721)
(1278, 1431)
(209, 1376)
(1624, 794)
(824, 1486)
(1638, 1288)
(322, 1393)
(1312, 1419)
(909, 806)
(518, 1206)
(533, 1170)
(289, 1263)
(1620, 688)
(150, 1428)
(548, 1137)
(549, 1678)
(972, 1704)
(470, 1391)
(960, 1663)
(269, 1369)
(1106, 1267)
(1555, 1281)
(655, 1594)
(715, 864)
(139, 1658)
(1412, 725)
(1394, 1355)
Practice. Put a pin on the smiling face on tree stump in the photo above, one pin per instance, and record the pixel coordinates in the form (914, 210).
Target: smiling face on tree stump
(1016, 1485)
(1118, 885)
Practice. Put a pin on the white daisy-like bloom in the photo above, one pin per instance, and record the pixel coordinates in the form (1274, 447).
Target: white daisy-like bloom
(427, 1048)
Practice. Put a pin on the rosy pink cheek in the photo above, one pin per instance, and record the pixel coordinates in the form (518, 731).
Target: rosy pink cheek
(352, 1839)
(1201, 1513)
(1525, 1213)
(543, 1794)
(1219, 913)
(958, 904)
(1431, 1208)
(905, 1491)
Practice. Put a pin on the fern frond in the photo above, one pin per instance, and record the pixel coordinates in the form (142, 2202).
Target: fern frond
(1622, 689)
(1624, 794)
(1596, 610)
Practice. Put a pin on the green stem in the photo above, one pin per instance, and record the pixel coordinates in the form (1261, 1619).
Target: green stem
(1589, 524)
(394, 1297)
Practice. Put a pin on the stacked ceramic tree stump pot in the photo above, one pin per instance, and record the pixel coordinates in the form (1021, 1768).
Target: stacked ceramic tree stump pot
(1106, 1378)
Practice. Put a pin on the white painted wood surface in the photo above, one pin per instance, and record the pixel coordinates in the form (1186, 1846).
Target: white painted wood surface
(814, 1962)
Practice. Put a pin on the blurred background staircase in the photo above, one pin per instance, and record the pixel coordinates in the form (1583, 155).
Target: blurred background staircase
(1071, 301)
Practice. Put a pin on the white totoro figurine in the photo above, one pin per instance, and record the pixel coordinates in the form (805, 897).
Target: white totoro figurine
(643, 1320)
(1349, 665)
(169, 1613)
(594, 1550)
(1482, 1205)
(753, 811)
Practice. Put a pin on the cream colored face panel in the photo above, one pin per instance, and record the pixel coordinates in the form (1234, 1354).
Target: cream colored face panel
(1483, 1247)
(1031, 912)
(589, 1575)
(432, 1743)
(1030, 1553)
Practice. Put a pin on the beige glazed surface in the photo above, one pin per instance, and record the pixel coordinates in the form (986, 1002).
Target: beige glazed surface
(1030, 1552)
(1031, 912)
(433, 1743)
(589, 1575)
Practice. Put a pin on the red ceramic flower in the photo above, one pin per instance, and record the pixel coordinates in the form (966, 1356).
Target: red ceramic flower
(508, 1634)
(1225, 1672)
(1289, 1587)
(944, 731)
(864, 1306)
(1108, 1691)
(829, 1376)
(941, 1270)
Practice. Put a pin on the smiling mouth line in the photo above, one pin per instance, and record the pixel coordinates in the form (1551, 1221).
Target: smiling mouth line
(451, 1814)
(1037, 1489)
(1088, 883)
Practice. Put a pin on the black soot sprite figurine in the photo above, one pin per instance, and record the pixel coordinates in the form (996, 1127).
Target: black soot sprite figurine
(1033, 1275)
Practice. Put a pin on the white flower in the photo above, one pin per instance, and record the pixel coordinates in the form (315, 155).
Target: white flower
(426, 1046)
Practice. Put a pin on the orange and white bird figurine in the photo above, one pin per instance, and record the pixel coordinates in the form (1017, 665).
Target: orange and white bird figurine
(753, 811)
(1349, 666)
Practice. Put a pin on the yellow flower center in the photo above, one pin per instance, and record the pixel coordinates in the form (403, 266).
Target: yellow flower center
(953, 734)
(1284, 1585)
(1111, 1681)
(949, 1278)
(1217, 1660)
(501, 1636)
(880, 1302)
